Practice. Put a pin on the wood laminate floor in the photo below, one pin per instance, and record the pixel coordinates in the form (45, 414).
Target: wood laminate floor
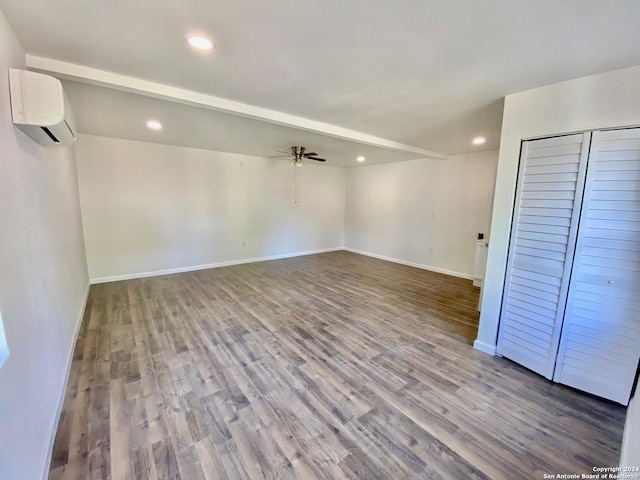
(326, 366)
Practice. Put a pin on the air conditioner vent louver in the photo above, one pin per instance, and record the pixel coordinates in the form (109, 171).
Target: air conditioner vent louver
(50, 135)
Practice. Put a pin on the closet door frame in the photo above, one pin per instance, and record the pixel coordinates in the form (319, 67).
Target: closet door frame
(549, 369)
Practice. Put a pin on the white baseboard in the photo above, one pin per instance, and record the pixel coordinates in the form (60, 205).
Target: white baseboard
(155, 273)
(412, 264)
(63, 390)
(484, 347)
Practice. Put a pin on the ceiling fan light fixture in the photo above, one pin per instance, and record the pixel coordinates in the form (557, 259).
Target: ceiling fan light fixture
(299, 156)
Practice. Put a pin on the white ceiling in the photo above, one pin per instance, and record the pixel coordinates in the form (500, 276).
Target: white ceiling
(426, 73)
(195, 127)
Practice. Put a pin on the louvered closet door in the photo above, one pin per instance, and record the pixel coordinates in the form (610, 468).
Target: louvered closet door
(600, 343)
(550, 178)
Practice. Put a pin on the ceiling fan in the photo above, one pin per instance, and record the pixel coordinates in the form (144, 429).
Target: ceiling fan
(298, 154)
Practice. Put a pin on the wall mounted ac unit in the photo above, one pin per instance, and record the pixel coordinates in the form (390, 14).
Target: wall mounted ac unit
(40, 108)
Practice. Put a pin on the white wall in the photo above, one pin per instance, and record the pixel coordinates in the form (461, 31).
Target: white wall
(630, 456)
(43, 283)
(155, 208)
(400, 211)
(599, 101)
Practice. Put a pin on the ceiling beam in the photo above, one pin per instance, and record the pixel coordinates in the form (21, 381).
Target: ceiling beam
(125, 83)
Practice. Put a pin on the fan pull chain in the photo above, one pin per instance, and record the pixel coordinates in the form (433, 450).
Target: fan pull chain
(296, 200)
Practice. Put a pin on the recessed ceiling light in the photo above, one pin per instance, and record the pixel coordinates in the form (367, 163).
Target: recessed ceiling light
(360, 158)
(478, 140)
(199, 42)
(154, 125)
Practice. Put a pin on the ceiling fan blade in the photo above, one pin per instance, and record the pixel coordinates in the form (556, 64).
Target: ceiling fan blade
(280, 156)
(313, 154)
(280, 151)
(316, 159)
